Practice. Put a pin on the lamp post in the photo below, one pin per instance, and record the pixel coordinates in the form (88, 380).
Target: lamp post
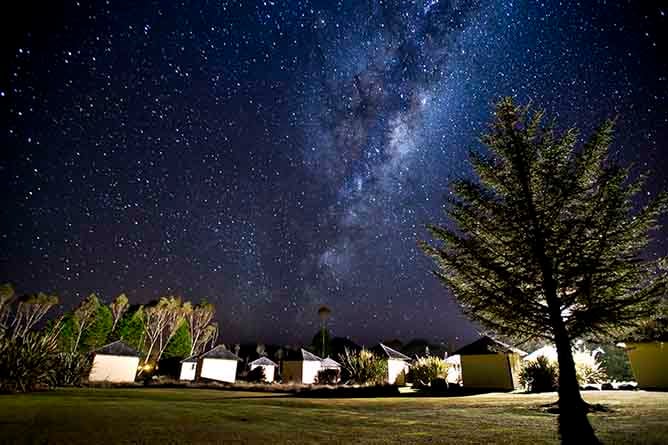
(323, 313)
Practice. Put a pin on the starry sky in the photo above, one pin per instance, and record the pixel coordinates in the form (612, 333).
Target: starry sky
(273, 156)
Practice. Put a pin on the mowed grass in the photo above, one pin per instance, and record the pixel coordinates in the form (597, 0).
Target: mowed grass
(179, 416)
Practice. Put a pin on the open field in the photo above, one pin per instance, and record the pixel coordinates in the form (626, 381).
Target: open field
(162, 416)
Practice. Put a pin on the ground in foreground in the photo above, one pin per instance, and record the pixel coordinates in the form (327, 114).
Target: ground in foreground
(163, 416)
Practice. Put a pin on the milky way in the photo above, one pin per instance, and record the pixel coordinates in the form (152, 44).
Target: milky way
(276, 156)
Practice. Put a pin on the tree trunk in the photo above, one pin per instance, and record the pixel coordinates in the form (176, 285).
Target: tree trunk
(574, 427)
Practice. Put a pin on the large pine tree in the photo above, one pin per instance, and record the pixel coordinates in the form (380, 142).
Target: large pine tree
(548, 242)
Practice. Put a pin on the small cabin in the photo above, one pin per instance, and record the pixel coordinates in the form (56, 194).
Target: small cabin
(188, 368)
(649, 363)
(488, 364)
(218, 364)
(267, 365)
(397, 365)
(116, 362)
(301, 368)
(329, 363)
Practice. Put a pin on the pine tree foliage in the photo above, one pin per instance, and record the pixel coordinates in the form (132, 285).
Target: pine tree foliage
(541, 204)
(547, 242)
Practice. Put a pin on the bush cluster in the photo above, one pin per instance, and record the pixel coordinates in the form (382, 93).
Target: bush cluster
(328, 376)
(425, 370)
(256, 375)
(540, 375)
(27, 362)
(363, 367)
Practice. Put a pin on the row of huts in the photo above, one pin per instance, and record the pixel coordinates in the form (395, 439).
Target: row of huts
(118, 362)
(485, 364)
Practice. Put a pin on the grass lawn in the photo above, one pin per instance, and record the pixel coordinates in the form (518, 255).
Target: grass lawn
(162, 416)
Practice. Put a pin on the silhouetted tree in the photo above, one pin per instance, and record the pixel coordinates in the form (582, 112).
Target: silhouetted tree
(547, 242)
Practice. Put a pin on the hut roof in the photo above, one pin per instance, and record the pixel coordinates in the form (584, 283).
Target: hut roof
(394, 354)
(220, 352)
(488, 345)
(117, 348)
(547, 351)
(263, 361)
(191, 359)
(300, 355)
(329, 363)
(309, 356)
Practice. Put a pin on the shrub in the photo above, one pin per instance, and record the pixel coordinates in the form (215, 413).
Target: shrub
(540, 375)
(588, 367)
(71, 368)
(27, 362)
(329, 376)
(589, 372)
(363, 367)
(256, 375)
(426, 369)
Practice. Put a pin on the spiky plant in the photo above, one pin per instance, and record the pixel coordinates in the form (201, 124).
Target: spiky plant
(424, 370)
(363, 367)
(27, 362)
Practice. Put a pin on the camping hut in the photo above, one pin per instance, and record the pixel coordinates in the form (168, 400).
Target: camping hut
(188, 368)
(490, 365)
(328, 363)
(649, 362)
(116, 362)
(301, 368)
(267, 365)
(397, 365)
(647, 349)
(218, 364)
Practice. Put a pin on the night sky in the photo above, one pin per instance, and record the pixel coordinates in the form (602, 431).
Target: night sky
(274, 156)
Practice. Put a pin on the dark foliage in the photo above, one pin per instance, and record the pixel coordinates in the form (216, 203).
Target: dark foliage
(363, 367)
(27, 362)
(71, 368)
(328, 376)
(616, 363)
(256, 375)
(540, 375)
